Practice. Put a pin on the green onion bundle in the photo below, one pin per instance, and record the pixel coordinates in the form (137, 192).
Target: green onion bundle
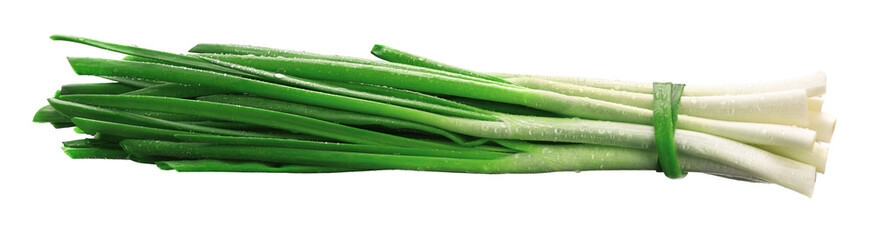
(255, 109)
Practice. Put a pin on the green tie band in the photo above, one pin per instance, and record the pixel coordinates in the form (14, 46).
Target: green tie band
(666, 103)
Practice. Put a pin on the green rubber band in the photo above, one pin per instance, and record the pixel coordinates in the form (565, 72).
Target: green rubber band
(666, 102)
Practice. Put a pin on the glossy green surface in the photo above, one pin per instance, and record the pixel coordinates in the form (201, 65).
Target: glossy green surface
(103, 67)
(77, 110)
(213, 165)
(398, 97)
(91, 143)
(665, 114)
(137, 83)
(330, 115)
(398, 56)
(308, 157)
(342, 147)
(181, 60)
(210, 49)
(378, 75)
(176, 90)
(49, 114)
(95, 88)
(369, 92)
(266, 118)
(119, 131)
(94, 153)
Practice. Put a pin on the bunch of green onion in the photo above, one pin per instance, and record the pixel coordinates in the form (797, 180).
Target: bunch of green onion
(255, 109)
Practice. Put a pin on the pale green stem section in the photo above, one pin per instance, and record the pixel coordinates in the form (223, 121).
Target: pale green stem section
(586, 157)
(783, 107)
(823, 124)
(815, 104)
(814, 84)
(817, 157)
(792, 174)
(752, 133)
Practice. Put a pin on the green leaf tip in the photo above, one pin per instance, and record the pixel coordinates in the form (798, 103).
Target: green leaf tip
(93, 66)
(164, 165)
(200, 47)
(58, 37)
(74, 63)
(377, 48)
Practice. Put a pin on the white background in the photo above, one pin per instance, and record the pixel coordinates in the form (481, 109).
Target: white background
(45, 195)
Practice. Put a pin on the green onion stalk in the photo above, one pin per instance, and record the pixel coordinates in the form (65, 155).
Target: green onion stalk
(254, 109)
